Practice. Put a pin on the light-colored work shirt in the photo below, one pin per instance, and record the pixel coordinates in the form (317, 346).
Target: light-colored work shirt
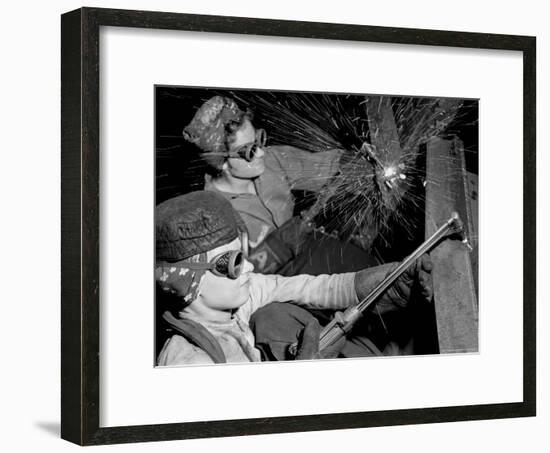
(286, 168)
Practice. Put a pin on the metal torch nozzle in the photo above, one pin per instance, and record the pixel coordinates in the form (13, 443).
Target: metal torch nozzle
(458, 228)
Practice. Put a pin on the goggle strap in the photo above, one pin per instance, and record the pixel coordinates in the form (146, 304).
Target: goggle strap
(197, 266)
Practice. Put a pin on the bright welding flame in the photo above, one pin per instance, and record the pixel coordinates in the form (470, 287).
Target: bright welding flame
(390, 172)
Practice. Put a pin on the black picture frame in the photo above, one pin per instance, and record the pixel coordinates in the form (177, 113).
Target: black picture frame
(80, 169)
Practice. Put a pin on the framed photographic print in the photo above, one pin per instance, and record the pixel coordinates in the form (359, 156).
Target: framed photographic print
(259, 214)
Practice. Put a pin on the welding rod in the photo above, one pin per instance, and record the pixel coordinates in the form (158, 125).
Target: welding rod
(344, 321)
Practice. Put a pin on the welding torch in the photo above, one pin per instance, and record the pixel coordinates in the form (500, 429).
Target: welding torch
(343, 322)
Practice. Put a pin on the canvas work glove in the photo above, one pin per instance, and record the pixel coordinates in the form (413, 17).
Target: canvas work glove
(417, 277)
(279, 325)
(308, 345)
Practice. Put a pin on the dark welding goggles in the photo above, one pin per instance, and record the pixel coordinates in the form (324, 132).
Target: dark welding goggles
(227, 264)
(248, 151)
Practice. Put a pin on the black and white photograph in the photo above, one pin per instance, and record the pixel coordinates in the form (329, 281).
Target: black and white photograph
(307, 225)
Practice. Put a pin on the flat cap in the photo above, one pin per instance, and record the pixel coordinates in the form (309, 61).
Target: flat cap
(194, 223)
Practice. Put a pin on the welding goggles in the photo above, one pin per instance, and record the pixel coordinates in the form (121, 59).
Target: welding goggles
(227, 264)
(249, 150)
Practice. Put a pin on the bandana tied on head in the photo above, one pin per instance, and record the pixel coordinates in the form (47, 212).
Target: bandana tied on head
(186, 227)
(180, 281)
(208, 129)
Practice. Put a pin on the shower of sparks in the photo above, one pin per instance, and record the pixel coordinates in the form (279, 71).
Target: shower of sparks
(374, 189)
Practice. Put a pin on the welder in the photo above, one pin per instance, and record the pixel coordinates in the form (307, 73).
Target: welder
(258, 180)
(214, 292)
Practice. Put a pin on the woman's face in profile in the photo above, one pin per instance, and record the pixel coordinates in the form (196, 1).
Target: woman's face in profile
(240, 167)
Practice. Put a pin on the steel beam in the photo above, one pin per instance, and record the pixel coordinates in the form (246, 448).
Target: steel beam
(455, 293)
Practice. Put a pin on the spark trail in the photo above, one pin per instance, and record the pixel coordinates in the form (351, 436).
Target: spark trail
(377, 185)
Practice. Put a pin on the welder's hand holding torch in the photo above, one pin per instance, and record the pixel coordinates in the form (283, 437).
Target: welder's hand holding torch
(374, 285)
(402, 275)
(416, 277)
(308, 344)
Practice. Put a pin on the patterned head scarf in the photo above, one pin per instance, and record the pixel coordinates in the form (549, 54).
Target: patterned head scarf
(209, 128)
(179, 281)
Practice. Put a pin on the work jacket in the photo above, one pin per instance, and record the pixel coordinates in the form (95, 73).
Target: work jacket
(286, 168)
(335, 291)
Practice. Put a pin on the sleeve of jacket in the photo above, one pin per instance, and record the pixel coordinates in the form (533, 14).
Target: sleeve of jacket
(335, 291)
(306, 170)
